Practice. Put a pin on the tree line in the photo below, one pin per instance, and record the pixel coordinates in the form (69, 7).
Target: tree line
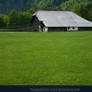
(16, 18)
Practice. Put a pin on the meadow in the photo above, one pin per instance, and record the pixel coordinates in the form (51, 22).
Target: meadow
(57, 58)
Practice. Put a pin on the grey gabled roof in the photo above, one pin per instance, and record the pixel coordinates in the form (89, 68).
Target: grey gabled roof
(61, 19)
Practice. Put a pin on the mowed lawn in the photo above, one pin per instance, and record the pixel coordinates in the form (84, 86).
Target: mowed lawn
(63, 58)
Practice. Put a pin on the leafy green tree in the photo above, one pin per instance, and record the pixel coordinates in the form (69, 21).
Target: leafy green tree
(3, 20)
(14, 18)
(17, 18)
(31, 11)
(68, 5)
(80, 9)
(83, 9)
(89, 11)
(25, 18)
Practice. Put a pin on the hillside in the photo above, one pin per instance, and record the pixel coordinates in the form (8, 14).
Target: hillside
(7, 5)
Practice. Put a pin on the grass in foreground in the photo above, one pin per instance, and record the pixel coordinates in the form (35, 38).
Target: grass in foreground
(46, 58)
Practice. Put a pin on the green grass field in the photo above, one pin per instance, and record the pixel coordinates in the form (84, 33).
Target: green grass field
(63, 58)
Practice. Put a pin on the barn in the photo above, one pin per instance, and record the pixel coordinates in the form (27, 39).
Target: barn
(57, 21)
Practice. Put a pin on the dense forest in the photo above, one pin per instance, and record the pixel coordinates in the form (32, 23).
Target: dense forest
(7, 5)
(19, 12)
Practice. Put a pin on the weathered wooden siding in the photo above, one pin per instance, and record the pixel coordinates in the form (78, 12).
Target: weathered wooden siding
(63, 29)
(85, 28)
(57, 29)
